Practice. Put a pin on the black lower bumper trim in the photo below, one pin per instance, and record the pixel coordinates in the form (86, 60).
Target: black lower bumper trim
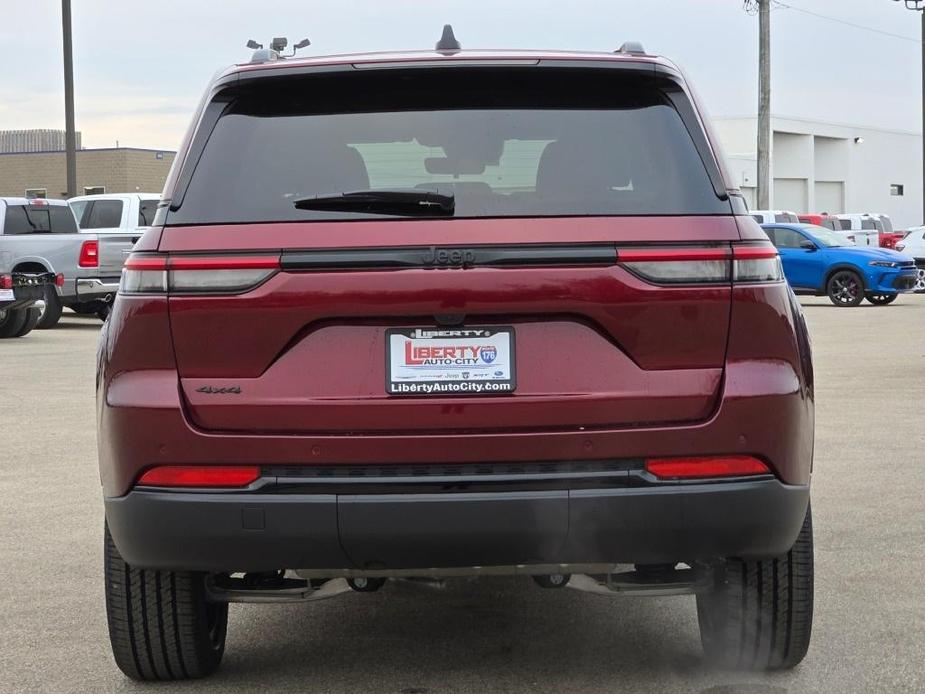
(255, 532)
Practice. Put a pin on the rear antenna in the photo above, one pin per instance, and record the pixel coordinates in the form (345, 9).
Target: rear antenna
(448, 43)
(275, 51)
(631, 48)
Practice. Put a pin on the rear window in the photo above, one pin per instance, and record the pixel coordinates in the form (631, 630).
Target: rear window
(502, 145)
(102, 214)
(34, 219)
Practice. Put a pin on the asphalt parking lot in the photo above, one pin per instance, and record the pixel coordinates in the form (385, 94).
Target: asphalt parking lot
(493, 635)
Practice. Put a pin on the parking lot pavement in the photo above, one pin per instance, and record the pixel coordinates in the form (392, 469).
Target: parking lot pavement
(490, 635)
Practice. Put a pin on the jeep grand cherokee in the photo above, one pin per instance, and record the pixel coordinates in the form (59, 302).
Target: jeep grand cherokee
(445, 314)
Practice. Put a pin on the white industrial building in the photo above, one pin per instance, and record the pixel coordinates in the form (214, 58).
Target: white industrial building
(830, 167)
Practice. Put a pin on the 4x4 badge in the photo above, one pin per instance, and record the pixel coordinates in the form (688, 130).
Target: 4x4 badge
(212, 390)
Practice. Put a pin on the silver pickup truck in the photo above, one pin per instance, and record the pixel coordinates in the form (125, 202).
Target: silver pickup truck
(41, 236)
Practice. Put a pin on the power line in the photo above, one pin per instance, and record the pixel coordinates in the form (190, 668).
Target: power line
(785, 6)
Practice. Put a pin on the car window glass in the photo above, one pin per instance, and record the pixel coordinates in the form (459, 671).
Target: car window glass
(771, 235)
(583, 148)
(79, 208)
(787, 238)
(105, 214)
(31, 219)
(146, 211)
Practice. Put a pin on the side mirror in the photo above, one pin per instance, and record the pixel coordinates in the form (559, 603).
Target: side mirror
(808, 245)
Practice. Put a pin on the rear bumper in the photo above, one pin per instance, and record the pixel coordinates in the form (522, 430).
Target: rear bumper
(248, 531)
(27, 289)
(97, 289)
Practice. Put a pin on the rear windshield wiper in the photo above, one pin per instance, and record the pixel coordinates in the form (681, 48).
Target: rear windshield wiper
(406, 202)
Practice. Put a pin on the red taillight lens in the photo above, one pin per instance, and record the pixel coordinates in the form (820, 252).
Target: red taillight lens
(6, 281)
(200, 476)
(677, 265)
(89, 254)
(59, 279)
(707, 265)
(695, 468)
(144, 274)
(756, 264)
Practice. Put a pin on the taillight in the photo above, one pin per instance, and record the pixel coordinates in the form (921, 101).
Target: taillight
(89, 254)
(200, 476)
(756, 264)
(59, 279)
(707, 466)
(146, 274)
(6, 281)
(713, 265)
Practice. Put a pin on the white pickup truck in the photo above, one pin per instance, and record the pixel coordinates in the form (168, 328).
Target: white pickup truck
(110, 216)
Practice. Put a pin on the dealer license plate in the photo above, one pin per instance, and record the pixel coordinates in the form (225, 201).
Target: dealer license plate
(437, 361)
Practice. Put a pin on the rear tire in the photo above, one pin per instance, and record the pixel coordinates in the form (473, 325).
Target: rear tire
(51, 314)
(32, 318)
(161, 626)
(12, 321)
(759, 614)
(881, 299)
(845, 288)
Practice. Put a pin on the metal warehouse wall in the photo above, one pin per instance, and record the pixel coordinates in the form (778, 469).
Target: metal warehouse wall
(819, 167)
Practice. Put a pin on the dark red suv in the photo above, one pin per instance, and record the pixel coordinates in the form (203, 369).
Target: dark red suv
(445, 314)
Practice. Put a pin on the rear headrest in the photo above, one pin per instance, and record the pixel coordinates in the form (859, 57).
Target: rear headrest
(576, 168)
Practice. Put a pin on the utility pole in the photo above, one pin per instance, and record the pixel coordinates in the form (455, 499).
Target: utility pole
(764, 104)
(70, 134)
(919, 6)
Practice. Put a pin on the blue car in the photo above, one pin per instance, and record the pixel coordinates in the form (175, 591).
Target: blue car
(817, 261)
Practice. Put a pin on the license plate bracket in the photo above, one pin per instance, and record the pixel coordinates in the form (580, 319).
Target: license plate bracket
(450, 361)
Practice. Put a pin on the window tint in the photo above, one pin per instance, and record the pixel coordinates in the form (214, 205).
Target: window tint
(786, 218)
(868, 224)
(771, 235)
(787, 238)
(758, 218)
(103, 214)
(146, 211)
(33, 219)
(584, 146)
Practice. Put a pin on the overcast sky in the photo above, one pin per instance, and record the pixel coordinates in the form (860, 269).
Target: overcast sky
(141, 66)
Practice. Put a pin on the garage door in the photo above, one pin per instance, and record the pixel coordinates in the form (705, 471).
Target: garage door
(790, 194)
(830, 196)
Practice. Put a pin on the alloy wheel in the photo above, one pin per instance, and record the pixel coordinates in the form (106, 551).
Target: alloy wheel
(920, 280)
(845, 289)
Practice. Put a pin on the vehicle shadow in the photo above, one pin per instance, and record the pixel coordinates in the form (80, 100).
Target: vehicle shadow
(480, 636)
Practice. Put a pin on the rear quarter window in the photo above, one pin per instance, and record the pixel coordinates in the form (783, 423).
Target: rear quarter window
(46, 219)
(581, 144)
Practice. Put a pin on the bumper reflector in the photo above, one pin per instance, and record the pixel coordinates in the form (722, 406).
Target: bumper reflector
(200, 476)
(694, 468)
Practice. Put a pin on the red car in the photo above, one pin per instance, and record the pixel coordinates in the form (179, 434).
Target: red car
(453, 313)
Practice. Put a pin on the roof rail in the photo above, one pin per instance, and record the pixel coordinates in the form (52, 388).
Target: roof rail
(631, 48)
